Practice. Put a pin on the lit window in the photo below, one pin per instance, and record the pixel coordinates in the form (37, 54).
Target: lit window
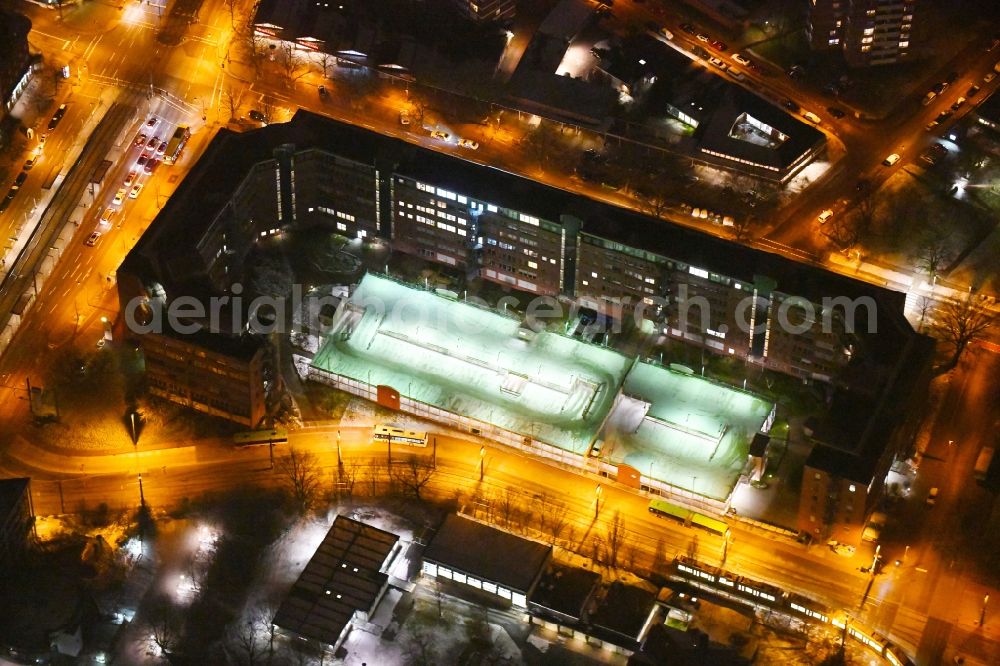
(851, 488)
(903, 45)
(869, 31)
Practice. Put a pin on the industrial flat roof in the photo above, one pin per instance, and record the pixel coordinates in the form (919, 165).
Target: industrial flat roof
(683, 429)
(488, 553)
(343, 576)
(565, 590)
(475, 362)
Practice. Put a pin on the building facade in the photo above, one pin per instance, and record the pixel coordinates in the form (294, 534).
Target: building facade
(486, 10)
(16, 516)
(15, 60)
(868, 32)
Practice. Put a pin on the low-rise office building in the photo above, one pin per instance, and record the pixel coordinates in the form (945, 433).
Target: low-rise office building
(486, 558)
(16, 517)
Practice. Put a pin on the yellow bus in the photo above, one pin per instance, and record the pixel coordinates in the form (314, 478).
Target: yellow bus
(393, 435)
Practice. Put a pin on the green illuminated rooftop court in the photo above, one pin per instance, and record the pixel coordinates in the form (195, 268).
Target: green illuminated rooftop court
(484, 365)
(475, 362)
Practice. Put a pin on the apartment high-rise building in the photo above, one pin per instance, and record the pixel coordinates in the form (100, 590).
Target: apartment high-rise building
(868, 32)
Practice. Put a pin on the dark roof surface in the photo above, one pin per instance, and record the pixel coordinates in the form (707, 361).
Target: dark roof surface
(342, 577)
(487, 553)
(990, 108)
(11, 491)
(565, 589)
(624, 610)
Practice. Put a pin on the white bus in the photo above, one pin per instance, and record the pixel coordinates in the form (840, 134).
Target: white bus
(393, 435)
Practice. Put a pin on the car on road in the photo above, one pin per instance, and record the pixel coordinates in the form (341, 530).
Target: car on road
(972, 91)
(162, 148)
(940, 88)
(57, 116)
(134, 192)
(719, 45)
(892, 159)
(836, 112)
(468, 143)
(666, 34)
(257, 116)
(943, 116)
(989, 77)
(439, 134)
(120, 196)
(92, 239)
(736, 74)
(404, 117)
(322, 91)
(933, 155)
(958, 104)
(717, 62)
(151, 166)
(688, 28)
(152, 122)
(932, 497)
(153, 142)
(143, 159)
(845, 549)
(21, 177)
(929, 97)
(106, 215)
(130, 178)
(702, 37)
(823, 217)
(811, 117)
(140, 140)
(742, 59)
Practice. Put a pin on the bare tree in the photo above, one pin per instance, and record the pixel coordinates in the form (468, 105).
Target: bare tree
(326, 61)
(290, 63)
(412, 474)
(654, 195)
(251, 639)
(271, 275)
(743, 228)
(959, 323)
(614, 539)
(232, 6)
(268, 109)
(842, 231)
(301, 472)
(373, 475)
(233, 99)
(540, 143)
(164, 625)
(506, 505)
(934, 250)
(347, 478)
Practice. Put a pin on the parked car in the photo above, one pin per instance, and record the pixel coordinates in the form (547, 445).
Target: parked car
(929, 97)
(404, 117)
(958, 104)
(972, 91)
(719, 45)
(736, 74)
(717, 62)
(468, 143)
(21, 177)
(740, 58)
(933, 155)
(57, 116)
(791, 105)
(439, 134)
(823, 217)
(666, 33)
(932, 497)
(891, 160)
(702, 37)
(688, 28)
(257, 116)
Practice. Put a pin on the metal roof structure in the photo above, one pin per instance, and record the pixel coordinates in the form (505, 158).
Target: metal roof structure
(345, 575)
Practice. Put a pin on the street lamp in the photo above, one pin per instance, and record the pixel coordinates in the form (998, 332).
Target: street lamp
(340, 461)
(597, 501)
(982, 613)
(482, 462)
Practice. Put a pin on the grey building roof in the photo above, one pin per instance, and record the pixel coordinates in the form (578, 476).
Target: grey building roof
(624, 611)
(343, 576)
(565, 590)
(488, 553)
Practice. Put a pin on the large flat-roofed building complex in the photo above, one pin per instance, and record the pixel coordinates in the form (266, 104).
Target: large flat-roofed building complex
(15, 60)
(535, 240)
